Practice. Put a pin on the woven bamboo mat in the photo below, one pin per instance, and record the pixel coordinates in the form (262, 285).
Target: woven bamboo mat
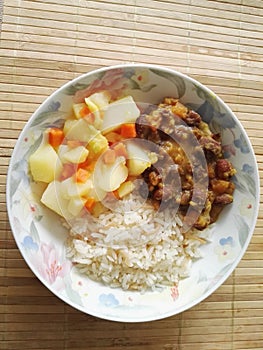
(45, 43)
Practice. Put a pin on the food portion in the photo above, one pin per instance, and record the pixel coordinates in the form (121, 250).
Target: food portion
(135, 185)
(86, 161)
(175, 129)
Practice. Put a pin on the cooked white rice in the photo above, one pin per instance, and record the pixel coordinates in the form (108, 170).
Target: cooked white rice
(133, 246)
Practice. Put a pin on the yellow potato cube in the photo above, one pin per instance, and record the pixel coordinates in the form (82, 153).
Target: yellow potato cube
(125, 188)
(75, 155)
(44, 163)
(54, 200)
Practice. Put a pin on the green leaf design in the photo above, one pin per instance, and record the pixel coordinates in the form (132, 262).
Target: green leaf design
(34, 232)
(148, 88)
(72, 89)
(176, 80)
(47, 117)
(71, 293)
(34, 146)
(14, 186)
(245, 183)
(243, 230)
(207, 96)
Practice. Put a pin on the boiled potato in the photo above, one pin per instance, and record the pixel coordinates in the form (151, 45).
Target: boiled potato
(77, 108)
(138, 159)
(119, 112)
(80, 130)
(76, 205)
(75, 155)
(96, 102)
(68, 125)
(70, 188)
(99, 99)
(108, 177)
(125, 188)
(97, 144)
(96, 192)
(44, 163)
(54, 200)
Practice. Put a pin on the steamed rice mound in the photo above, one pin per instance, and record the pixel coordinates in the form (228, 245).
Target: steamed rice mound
(133, 247)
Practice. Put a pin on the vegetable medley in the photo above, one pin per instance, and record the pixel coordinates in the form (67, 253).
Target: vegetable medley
(93, 157)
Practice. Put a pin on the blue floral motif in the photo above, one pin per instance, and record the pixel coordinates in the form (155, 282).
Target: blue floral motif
(229, 240)
(54, 106)
(29, 244)
(226, 249)
(248, 169)
(108, 300)
(242, 144)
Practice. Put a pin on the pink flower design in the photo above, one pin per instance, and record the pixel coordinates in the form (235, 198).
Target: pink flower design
(174, 293)
(113, 81)
(51, 266)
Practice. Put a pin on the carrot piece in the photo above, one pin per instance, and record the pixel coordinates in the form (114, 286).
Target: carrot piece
(91, 165)
(128, 130)
(84, 111)
(67, 171)
(113, 137)
(109, 156)
(82, 175)
(116, 194)
(90, 118)
(120, 150)
(55, 137)
(74, 143)
(89, 204)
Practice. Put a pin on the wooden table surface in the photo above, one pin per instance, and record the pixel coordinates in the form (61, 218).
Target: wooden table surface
(45, 43)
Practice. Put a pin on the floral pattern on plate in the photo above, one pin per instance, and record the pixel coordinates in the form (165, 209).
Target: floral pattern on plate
(42, 238)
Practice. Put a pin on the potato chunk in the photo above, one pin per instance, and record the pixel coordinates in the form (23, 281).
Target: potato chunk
(44, 163)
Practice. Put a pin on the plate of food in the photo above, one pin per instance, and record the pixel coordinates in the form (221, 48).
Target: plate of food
(133, 192)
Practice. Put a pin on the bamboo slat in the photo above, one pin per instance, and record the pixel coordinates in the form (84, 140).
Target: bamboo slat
(45, 43)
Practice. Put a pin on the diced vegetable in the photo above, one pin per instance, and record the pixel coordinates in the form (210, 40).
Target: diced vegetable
(120, 150)
(113, 137)
(97, 144)
(74, 143)
(71, 188)
(69, 124)
(128, 130)
(125, 188)
(67, 171)
(96, 192)
(80, 130)
(109, 176)
(79, 165)
(75, 155)
(82, 175)
(96, 103)
(138, 159)
(121, 111)
(100, 99)
(80, 110)
(97, 209)
(55, 137)
(75, 206)
(53, 198)
(44, 163)
(109, 156)
(89, 204)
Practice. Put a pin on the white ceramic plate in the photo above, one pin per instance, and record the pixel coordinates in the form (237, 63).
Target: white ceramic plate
(41, 238)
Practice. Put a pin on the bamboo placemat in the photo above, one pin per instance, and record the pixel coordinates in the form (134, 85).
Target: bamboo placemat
(45, 43)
